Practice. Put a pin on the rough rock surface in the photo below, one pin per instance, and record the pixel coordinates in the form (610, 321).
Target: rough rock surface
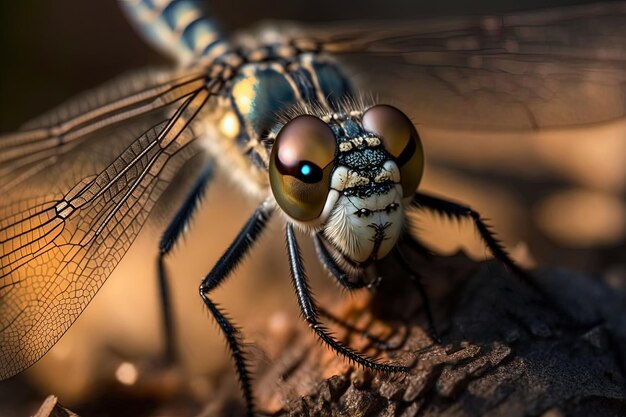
(505, 351)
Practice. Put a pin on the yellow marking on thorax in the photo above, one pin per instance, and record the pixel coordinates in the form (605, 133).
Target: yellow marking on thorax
(227, 154)
(243, 92)
(229, 125)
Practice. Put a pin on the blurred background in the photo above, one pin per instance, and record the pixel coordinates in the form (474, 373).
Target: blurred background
(570, 213)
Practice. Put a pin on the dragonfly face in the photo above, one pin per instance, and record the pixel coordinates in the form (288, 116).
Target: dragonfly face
(349, 174)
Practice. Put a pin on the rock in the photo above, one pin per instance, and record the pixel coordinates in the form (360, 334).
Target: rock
(505, 350)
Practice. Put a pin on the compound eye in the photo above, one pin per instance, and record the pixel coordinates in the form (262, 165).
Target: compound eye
(401, 140)
(300, 166)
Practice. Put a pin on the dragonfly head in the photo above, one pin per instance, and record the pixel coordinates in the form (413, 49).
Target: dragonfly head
(349, 175)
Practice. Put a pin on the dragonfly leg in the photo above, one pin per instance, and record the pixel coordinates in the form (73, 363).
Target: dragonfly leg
(415, 279)
(310, 312)
(342, 278)
(169, 238)
(331, 266)
(459, 211)
(376, 341)
(222, 269)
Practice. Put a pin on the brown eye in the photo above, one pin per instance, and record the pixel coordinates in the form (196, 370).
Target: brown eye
(300, 167)
(401, 140)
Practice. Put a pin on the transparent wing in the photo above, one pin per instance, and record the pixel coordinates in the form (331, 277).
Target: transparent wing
(528, 70)
(68, 224)
(41, 142)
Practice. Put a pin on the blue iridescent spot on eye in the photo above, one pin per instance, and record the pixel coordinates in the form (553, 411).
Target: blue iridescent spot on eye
(306, 169)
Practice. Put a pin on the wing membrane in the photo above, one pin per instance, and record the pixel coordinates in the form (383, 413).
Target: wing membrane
(40, 143)
(530, 70)
(56, 251)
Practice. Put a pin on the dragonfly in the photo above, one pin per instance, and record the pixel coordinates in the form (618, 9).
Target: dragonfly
(274, 109)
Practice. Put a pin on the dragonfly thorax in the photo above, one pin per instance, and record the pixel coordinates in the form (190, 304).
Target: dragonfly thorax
(261, 90)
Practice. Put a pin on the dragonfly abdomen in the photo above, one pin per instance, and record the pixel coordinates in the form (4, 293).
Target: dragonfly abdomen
(179, 28)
